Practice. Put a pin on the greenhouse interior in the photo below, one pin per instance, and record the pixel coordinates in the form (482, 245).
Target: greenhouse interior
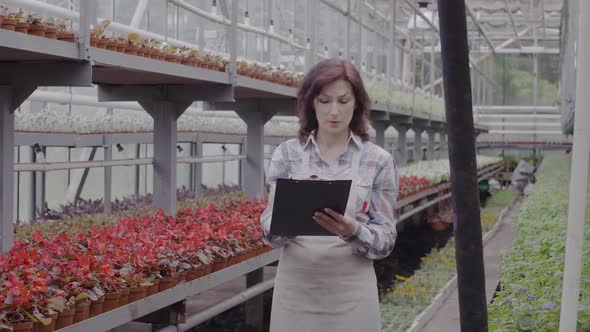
(138, 137)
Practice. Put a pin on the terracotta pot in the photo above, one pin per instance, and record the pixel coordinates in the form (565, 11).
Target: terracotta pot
(137, 293)
(166, 283)
(65, 318)
(51, 32)
(20, 327)
(131, 49)
(102, 43)
(49, 327)
(22, 27)
(82, 311)
(140, 52)
(8, 24)
(93, 41)
(111, 301)
(121, 46)
(439, 226)
(153, 289)
(171, 58)
(67, 37)
(161, 57)
(37, 30)
(124, 300)
(111, 46)
(96, 307)
(186, 61)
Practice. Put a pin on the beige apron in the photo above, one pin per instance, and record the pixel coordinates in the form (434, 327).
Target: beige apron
(320, 285)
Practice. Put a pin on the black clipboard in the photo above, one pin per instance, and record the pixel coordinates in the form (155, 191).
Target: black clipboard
(295, 202)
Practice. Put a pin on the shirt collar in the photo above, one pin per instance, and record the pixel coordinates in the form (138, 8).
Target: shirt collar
(354, 138)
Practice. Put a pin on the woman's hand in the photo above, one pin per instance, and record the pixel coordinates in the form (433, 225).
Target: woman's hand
(335, 223)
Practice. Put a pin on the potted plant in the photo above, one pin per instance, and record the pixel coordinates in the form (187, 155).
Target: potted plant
(170, 54)
(96, 34)
(21, 22)
(36, 26)
(14, 320)
(50, 29)
(7, 21)
(65, 34)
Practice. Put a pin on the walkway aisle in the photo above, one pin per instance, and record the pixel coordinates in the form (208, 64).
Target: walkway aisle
(446, 319)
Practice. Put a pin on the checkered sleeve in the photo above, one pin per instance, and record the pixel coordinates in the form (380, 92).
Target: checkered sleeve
(376, 238)
(278, 168)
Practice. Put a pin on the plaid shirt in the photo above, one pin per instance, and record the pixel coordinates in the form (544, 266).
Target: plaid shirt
(377, 189)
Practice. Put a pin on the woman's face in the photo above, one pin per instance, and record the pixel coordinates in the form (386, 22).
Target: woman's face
(334, 107)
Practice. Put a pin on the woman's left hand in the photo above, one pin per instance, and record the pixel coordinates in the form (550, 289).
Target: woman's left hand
(335, 223)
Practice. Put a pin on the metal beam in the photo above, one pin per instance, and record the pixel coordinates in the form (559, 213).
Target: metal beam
(108, 180)
(479, 27)
(574, 247)
(483, 57)
(165, 115)
(139, 13)
(507, 4)
(79, 177)
(46, 74)
(10, 99)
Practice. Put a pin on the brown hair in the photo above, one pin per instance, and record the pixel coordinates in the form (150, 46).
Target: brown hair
(322, 74)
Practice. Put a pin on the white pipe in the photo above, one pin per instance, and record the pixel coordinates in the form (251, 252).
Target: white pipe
(520, 116)
(139, 13)
(520, 124)
(527, 132)
(203, 160)
(578, 180)
(58, 166)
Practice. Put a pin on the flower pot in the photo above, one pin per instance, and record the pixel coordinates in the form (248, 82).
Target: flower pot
(22, 27)
(65, 318)
(82, 311)
(186, 61)
(51, 32)
(124, 300)
(121, 46)
(67, 37)
(20, 327)
(93, 41)
(439, 226)
(136, 293)
(111, 301)
(111, 46)
(96, 307)
(166, 283)
(49, 327)
(131, 49)
(140, 52)
(172, 58)
(8, 24)
(153, 289)
(37, 30)
(102, 43)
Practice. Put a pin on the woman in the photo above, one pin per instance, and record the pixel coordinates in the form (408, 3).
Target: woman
(327, 283)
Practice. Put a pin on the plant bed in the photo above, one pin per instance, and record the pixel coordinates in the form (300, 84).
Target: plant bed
(531, 273)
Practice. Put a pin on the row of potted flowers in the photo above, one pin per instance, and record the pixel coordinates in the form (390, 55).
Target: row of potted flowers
(52, 282)
(134, 44)
(34, 25)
